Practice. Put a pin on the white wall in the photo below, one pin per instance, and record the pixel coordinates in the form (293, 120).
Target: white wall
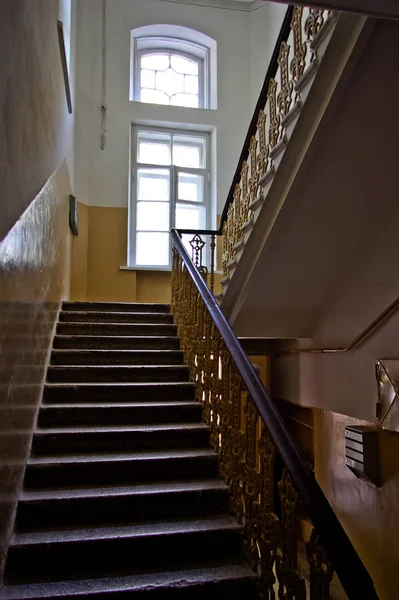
(264, 26)
(67, 13)
(102, 176)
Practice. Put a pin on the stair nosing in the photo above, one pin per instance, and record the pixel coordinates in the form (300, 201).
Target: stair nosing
(122, 428)
(151, 529)
(153, 455)
(70, 405)
(171, 579)
(143, 489)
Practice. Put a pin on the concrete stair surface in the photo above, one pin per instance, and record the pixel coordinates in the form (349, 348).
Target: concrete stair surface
(122, 496)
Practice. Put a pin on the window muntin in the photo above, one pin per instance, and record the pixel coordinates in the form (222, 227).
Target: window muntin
(170, 78)
(171, 71)
(171, 189)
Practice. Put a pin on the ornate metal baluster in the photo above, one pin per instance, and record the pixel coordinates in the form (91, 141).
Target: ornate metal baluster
(291, 585)
(263, 155)
(245, 196)
(321, 569)
(213, 248)
(251, 483)
(224, 411)
(254, 178)
(284, 97)
(225, 238)
(298, 62)
(236, 444)
(197, 244)
(274, 125)
(313, 24)
(237, 214)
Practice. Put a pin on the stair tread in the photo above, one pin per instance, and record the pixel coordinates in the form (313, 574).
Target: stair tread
(128, 456)
(121, 384)
(142, 582)
(124, 490)
(99, 405)
(153, 528)
(100, 351)
(113, 312)
(115, 367)
(122, 428)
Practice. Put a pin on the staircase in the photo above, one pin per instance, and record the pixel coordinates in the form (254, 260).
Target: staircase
(121, 494)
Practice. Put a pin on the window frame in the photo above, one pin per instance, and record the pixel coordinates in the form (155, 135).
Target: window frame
(188, 49)
(173, 181)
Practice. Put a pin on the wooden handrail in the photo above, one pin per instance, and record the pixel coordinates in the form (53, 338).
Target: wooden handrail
(354, 578)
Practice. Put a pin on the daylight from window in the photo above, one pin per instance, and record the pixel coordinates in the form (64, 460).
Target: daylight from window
(171, 190)
(169, 78)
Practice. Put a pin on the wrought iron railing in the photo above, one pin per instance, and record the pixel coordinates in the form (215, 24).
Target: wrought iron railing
(258, 455)
(295, 56)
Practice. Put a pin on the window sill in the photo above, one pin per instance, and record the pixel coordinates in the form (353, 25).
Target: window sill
(163, 269)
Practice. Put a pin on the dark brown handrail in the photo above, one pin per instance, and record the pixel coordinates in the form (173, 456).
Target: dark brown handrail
(261, 103)
(354, 578)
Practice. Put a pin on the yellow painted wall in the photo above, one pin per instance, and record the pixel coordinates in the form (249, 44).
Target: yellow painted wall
(79, 256)
(97, 255)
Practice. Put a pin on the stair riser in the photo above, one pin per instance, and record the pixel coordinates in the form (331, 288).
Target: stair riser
(119, 374)
(112, 357)
(81, 416)
(52, 562)
(87, 342)
(115, 307)
(119, 472)
(139, 393)
(60, 443)
(242, 589)
(94, 511)
(116, 329)
(108, 317)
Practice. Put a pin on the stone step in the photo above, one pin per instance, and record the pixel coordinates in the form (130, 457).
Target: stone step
(116, 307)
(116, 357)
(69, 316)
(75, 553)
(116, 342)
(110, 373)
(110, 469)
(232, 580)
(117, 329)
(120, 439)
(86, 507)
(67, 415)
(118, 392)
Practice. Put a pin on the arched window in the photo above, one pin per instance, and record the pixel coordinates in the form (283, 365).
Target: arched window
(171, 69)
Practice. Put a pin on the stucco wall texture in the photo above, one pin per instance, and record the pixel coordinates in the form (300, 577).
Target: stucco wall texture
(33, 111)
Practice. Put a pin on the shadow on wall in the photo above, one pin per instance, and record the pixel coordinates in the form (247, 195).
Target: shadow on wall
(34, 279)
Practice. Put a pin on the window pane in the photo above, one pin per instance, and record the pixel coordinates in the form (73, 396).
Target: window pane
(153, 184)
(190, 84)
(190, 187)
(154, 97)
(152, 249)
(148, 79)
(188, 100)
(154, 148)
(170, 82)
(184, 65)
(190, 217)
(156, 62)
(153, 216)
(189, 151)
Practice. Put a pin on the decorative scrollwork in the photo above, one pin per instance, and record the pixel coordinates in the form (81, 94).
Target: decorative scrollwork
(313, 24)
(321, 569)
(197, 245)
(274, 130)
(284, 97)
(291, 584)
(298, 61)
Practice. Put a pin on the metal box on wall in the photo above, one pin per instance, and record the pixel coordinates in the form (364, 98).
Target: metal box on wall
(361, 453)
